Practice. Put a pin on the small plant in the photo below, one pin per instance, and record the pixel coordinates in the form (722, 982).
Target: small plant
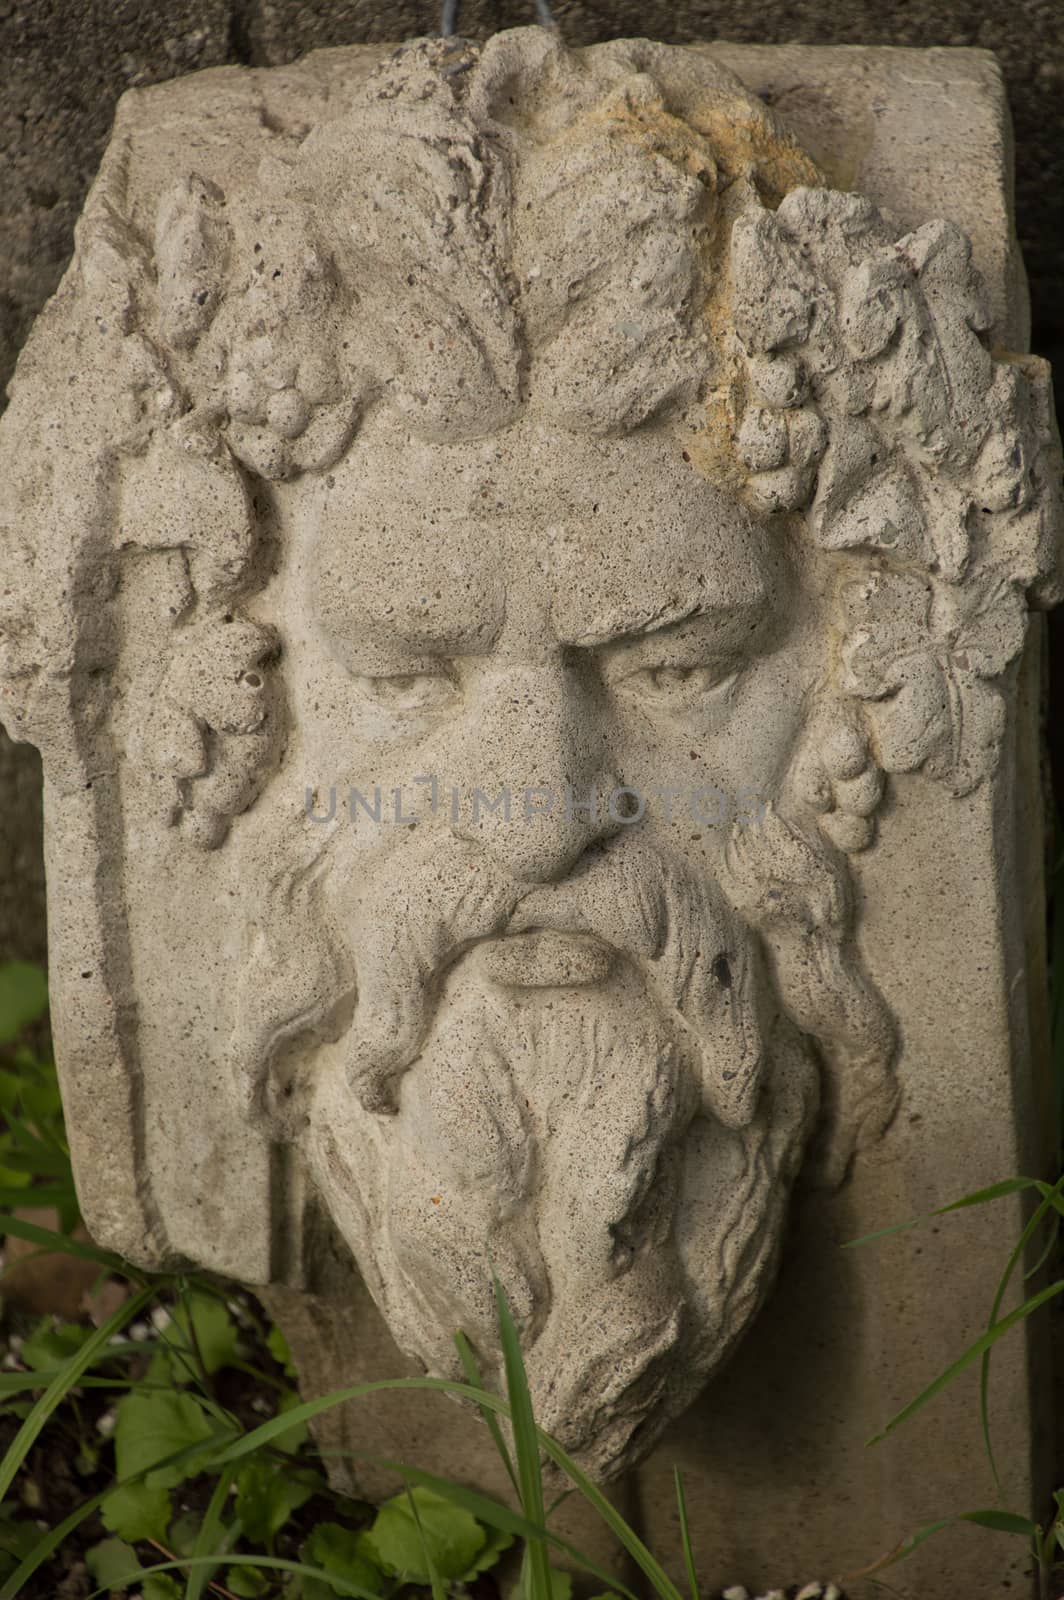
(1044, 1539)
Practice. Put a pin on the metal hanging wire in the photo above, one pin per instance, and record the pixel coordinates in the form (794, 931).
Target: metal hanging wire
(449, 16)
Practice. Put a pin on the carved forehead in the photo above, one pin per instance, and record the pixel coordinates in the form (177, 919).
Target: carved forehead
(609, 536)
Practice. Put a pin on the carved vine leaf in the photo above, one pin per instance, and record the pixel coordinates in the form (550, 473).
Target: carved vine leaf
(869, 374)
(923, 658)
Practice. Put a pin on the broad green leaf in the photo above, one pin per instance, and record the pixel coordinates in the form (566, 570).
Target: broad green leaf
(152, 1426)
(429, 1560)
(113, 1564)
(312, 1589)
(495, 1543)
(498, 1519)
(448, 1536)
(277, 1345)
(52, 1343)
(343, 1554)
(267, 1492)
(184, 1531)
(214, 1331)
(137, 1512)
(249, 1582)
(160, 1586)
(23, 997)
(561, 1586)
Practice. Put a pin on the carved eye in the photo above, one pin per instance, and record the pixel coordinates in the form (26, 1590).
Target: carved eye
(680, 689)
(411, 691)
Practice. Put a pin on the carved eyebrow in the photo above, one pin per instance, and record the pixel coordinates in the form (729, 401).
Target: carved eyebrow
(374, 621)
(635, 623)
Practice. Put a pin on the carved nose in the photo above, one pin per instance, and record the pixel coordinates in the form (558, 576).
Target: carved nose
(537, 787)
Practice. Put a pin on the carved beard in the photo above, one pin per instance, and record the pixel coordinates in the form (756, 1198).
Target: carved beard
(618, 1153)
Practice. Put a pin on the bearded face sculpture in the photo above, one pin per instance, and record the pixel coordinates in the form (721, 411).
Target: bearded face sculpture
(510, 520)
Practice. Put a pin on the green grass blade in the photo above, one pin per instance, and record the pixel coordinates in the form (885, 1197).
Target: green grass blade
(973, 1353)
(526, 1448)
(1015, 1258)
(61, 1385)
(32, 1155)
(496, 1515)
(15, 1228)
(998, 1521)
(472, 1372)
(41, 1377)
(267, 1563)
(685, 1535)
(40, 1195)
(978, 1197)
(267, 1432)
(435, 1584)
(996, 1191)
(211, 1534)
(659, 1578)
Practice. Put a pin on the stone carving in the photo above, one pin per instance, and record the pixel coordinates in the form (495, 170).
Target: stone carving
(514, 455)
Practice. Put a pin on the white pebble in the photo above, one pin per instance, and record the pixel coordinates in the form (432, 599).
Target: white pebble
(139, 1331)
(832, 1592)
(161, 1318)
(737, 1592)
(812, 1591)
(105, 1424)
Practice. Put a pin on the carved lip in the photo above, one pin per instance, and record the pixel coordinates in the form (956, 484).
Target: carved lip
(545, 958)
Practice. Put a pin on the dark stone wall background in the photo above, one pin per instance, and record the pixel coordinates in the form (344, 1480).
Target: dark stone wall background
(65, 62)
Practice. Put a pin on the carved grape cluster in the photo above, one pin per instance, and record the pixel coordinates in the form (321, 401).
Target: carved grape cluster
(871, 402)
(211, 733)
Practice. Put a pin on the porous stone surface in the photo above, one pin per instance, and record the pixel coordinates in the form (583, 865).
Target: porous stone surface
(67, 61)
(520, 586)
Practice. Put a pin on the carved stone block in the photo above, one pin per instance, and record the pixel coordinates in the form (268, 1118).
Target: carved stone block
(520, 573)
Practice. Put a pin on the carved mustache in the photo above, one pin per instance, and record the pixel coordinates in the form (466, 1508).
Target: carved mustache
(677, 927)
